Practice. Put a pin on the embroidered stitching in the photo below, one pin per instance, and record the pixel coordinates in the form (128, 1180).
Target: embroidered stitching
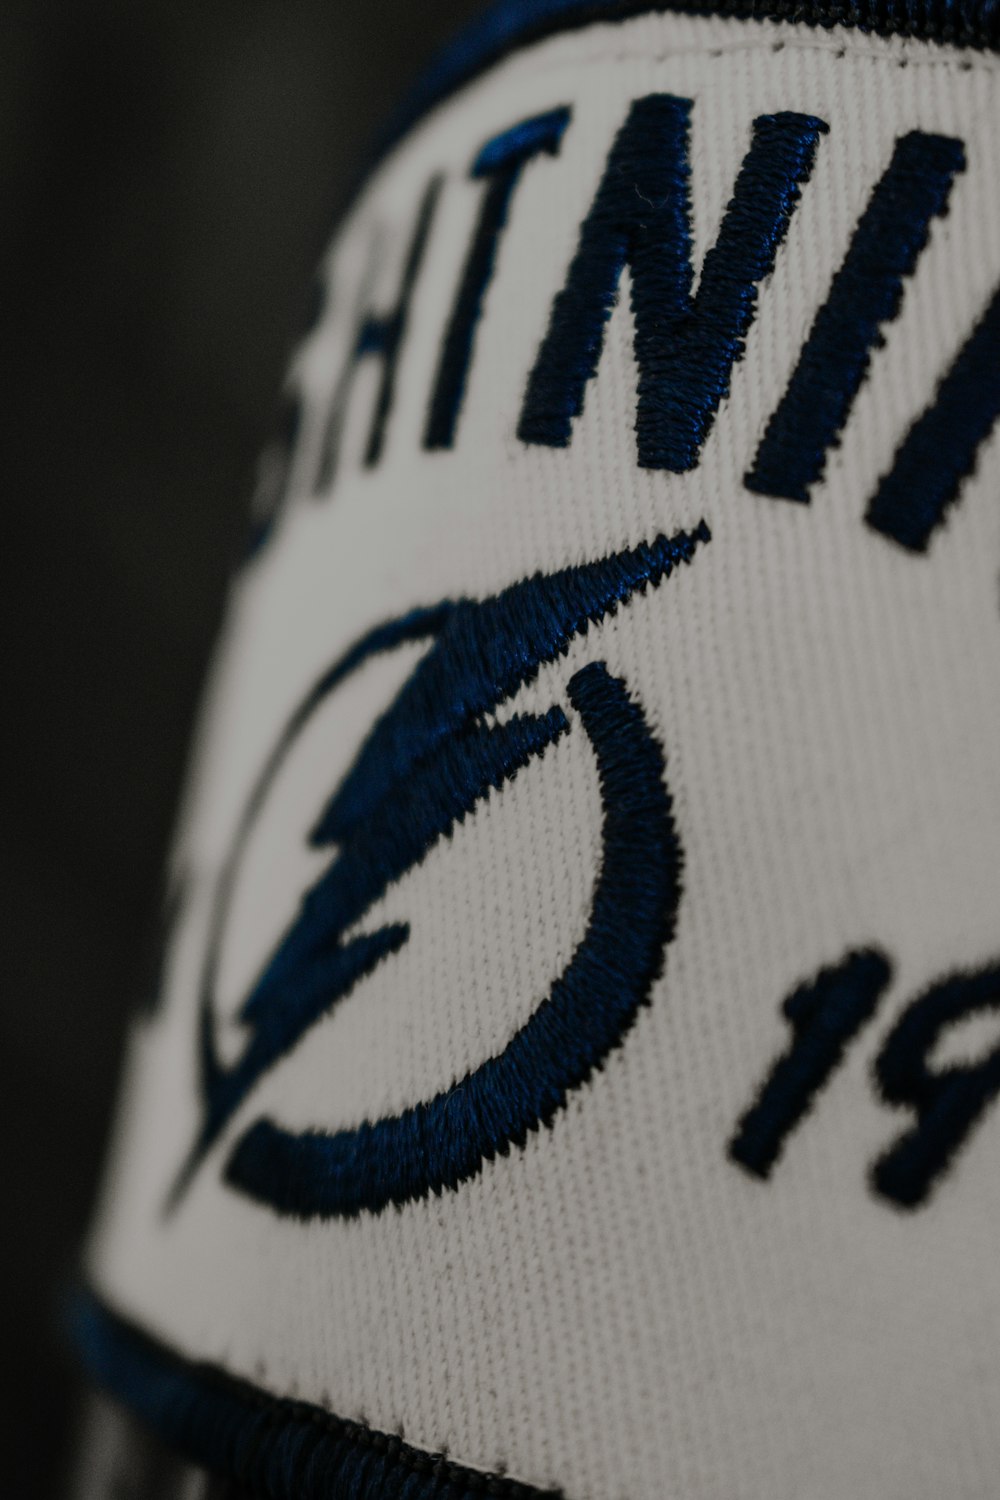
(866, 294)
(445, 1142)
(947, 1102)
(426, 763)
(942, 446)
(825, 1016)
(685, 345)
(499, 164)
(280, 1449)
(381, 335)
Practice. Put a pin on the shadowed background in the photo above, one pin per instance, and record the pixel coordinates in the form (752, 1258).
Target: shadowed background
(168, 173)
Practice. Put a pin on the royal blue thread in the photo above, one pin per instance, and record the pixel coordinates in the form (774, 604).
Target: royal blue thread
(278, 1448)
(685, 345)
(499, 164)
(947, 1101)
(825, 1016)
(425, 764)
(378, 335)
(519, 143)
(440, 1144)
(940, 449)
(866, 294)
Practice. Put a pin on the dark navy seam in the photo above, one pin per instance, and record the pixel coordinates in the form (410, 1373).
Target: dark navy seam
(509, 25)
(278, 1448)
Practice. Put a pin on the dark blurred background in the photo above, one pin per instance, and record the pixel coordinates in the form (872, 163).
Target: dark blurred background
(169, 170)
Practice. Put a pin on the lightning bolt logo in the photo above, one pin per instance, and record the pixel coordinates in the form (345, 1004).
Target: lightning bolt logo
(427, 762)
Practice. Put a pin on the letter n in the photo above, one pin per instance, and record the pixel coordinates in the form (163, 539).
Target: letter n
(686, 342)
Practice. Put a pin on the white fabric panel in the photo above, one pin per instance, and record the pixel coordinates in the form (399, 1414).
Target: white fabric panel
(617, 1309)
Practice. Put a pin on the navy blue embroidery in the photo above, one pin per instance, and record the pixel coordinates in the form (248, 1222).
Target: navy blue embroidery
(867, 293)
(939, 451)
(444, 1142)
(508, 25)
(313, 966)
(500, 164)
(223, 1090)
(426, 763)
(380, 335)
(825, 1016)
(948, 1101)
(280, 1449)
(685, 345)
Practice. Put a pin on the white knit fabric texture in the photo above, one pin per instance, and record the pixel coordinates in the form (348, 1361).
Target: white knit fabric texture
(616, 1309)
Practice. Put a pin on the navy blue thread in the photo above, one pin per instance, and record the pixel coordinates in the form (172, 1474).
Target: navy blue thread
(825, 1016)
(941, 448)
(510, 25)
(425, 764)
(948, 1101)
(500, 164)
(218, 1085)
(685, 345)
(380, 335)
(278, 1448)
(313, 967)
(866, 294)
(490, 649)
(442, 1143)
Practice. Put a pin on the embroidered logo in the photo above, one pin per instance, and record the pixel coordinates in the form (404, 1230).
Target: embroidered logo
(436, 752)
(431, 757)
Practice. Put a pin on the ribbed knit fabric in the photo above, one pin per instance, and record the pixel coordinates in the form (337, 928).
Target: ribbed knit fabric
(596, 684)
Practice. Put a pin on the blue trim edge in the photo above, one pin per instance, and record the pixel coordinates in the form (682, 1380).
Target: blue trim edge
(278, 1449)
(508, 25)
